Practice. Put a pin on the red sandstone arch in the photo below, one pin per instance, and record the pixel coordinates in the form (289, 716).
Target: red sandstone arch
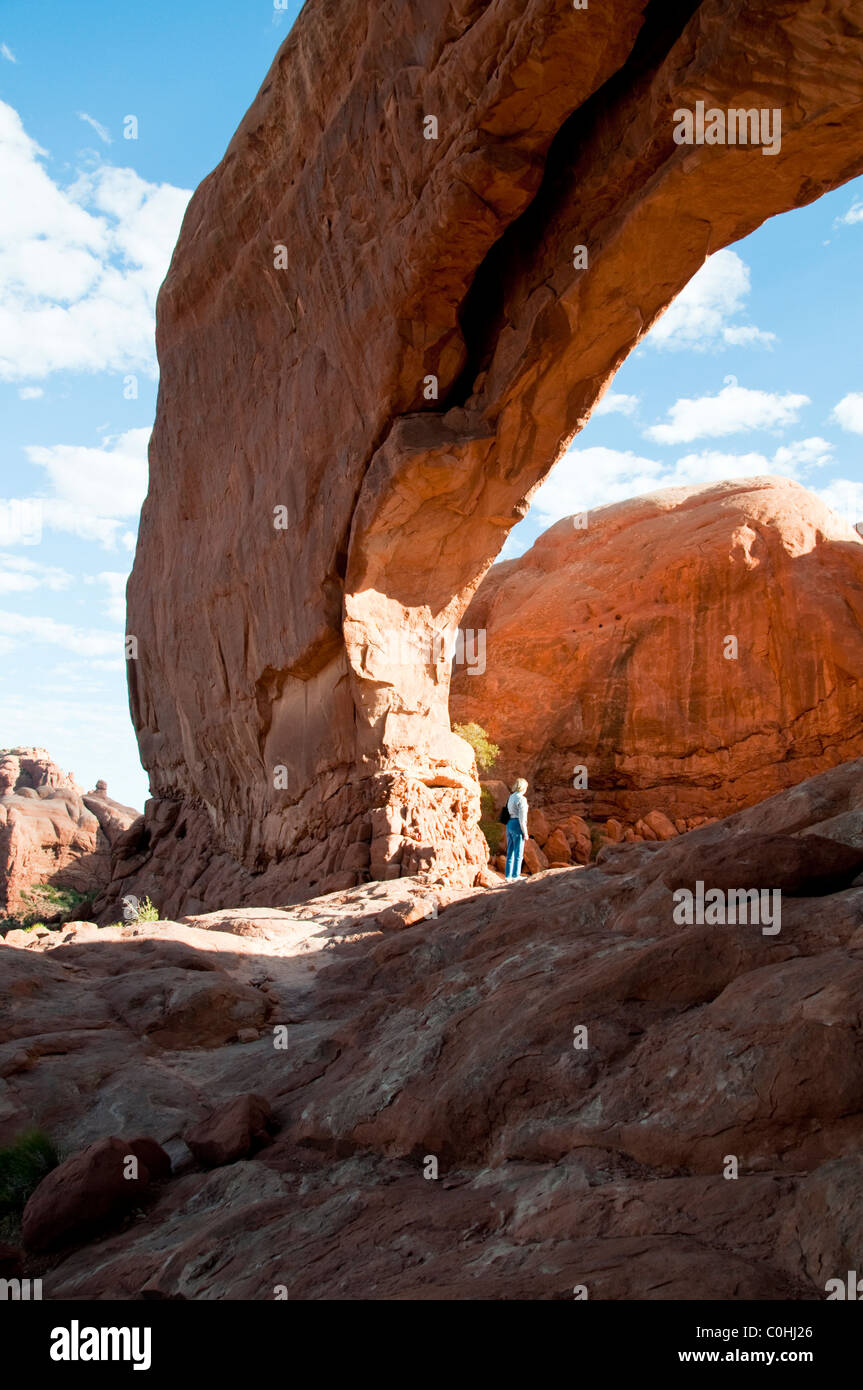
(303, 387)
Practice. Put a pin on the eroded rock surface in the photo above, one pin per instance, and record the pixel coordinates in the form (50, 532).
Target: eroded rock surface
(459, 1038)
(51, 832)
(373, 346)
(606, 651)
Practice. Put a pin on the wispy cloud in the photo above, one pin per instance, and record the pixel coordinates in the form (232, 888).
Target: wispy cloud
(113, 583)
(93, 488)
(704, 316)
(849, 412)
(6, 52)
(844, 496)
(592, 477)
(616, 403)
(20, 575)
(854, 214)
(29, 631)
(80, 265)
(732, 410)
(101, 131)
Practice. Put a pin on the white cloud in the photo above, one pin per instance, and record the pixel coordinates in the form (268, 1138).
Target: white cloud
(29, 631)
(19, 575)
(845, 497)
(849, 412)
(616, 403)
(594, 477)
(80, 266)
(733, 410)
(712, 465)
(746, 335)
(853, 215)
(699, 318)
(114, 602)
(7, 53)
(30, 393)
(805, 453)
(101, 131)
(93, 488)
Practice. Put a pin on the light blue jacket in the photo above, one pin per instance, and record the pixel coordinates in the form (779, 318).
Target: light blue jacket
(517, 807)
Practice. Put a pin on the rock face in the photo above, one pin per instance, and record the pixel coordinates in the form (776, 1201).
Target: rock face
(237, 1130)
(578, 1065)
(50, 831)
(605, 649)
(375, 338)
(91, 1190)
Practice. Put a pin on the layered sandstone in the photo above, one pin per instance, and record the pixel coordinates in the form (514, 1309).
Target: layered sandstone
(607, 649)
(51, 832)
(578, 1064)
(373, 346)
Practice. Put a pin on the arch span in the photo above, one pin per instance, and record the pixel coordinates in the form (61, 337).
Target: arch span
(392, 338)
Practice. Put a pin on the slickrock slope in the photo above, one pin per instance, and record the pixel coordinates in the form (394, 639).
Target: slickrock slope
(580, 1067)
(605, 649)
(50, 831)
(373, 346)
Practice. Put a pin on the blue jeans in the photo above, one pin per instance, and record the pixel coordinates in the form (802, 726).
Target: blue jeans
(514, 848)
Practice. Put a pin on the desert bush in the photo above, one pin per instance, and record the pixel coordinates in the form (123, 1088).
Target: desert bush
(485, 751)
(44, 900)
(23, 1165)
(490, 825)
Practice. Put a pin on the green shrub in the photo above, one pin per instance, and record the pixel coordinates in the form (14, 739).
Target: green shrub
(43, 900)
(23, 1165)
(485, 751)
(490, 825)
(147, 911)
(63, 899)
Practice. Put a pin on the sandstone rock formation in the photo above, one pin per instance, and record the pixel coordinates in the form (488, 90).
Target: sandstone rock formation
(375, 338)
(50, 831)
(605, 649)
(235, 1131)
(578, 1065)
(90, 1190)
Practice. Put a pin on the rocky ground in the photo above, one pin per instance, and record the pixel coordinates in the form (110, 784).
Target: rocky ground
(512, 1092)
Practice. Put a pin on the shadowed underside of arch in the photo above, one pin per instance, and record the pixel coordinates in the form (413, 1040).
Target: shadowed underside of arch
(289, 699)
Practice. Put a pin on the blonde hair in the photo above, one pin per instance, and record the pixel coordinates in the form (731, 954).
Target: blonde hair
(519, 785)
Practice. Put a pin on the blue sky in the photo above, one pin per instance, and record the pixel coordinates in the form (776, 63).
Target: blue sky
(756, 368)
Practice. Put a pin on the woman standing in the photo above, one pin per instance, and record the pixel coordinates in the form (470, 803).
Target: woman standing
(516, 829)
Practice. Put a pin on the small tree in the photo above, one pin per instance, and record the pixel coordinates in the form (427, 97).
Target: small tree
(485, 751)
